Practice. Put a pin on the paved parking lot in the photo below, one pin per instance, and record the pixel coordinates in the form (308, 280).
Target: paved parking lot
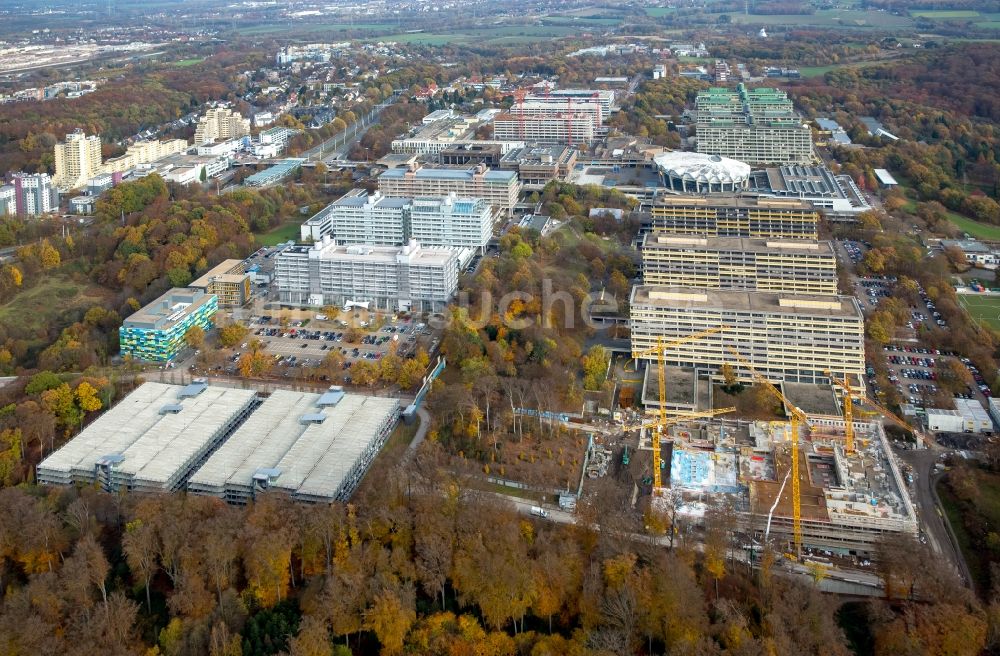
(310, 344)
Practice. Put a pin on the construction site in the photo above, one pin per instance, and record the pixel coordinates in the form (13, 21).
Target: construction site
(824, 479)
(846, 500)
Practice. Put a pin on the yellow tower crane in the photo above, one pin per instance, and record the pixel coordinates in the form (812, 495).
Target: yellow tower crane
(661, 418)
(797, 419)
(661, 426)
(845, 385)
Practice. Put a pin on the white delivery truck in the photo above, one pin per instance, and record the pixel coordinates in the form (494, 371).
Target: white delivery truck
(539, 512)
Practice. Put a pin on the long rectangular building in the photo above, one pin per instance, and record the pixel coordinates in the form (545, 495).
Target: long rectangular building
(152, 440)
(361, 218)
(740, 263)
(758, 126)
(790, 337)
(734, 216)
(402, 278)
(566, 128)
(499, 188)
(312, 447)
(156, 332)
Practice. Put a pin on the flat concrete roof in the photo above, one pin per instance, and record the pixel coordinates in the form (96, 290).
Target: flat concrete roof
(666, 241)
(695, 298)
(153, 432)
(719, 200)
(220, 272)
(173, 306)
(306, 443)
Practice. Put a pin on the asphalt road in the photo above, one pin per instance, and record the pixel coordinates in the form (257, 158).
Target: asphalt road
(928, 506)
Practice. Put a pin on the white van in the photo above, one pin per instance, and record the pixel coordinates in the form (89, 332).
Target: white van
(539, 512)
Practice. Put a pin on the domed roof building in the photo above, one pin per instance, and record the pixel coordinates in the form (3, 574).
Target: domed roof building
(701, 174)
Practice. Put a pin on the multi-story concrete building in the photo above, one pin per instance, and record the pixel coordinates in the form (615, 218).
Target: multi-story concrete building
(537, 166)
(144, 152)
(8, 200)
(228, 281)
(790, 337)
(452, 222)
(220, 124)
(561, 128)
(836, 195)
(156, 332)
(360, 218)
(499, 188)
(734, 216)
(77, 160)
(34, 194)
(472, 153)
(752, 125)
(571, 98)
(400, 278)
(560, 108)
(738, 263)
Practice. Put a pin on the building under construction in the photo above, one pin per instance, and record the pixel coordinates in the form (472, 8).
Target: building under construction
(848, 499)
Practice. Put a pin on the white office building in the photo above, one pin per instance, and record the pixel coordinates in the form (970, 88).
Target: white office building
(452, 222)
(399, 278)
(360, 218)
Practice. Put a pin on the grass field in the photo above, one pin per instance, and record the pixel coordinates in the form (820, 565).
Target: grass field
(989, 25)
(816, 71)
(826, 18)
(281, 234)
(945, 14)
(657, 12)
(975, 228)
(40, 307)
(984, 309)
(954, 516)
(184, 63)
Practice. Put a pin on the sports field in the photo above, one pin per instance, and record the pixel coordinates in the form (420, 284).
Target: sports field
(982, 308)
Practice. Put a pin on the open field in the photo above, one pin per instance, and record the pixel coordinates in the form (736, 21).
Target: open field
(657, 12)
(945, 14)
(281, 234)
(816, 71)
(825, 18)
(184, 63)
(975, 228)
(43, 306)
(984, 309)
(298, 27)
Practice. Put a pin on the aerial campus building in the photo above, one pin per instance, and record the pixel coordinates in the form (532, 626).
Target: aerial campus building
(695, 173)
(156, 332)
(152, 440)
(565, 128)
(377, 220)
(734, 216)
(499, 188)
(313, 447)
(358, 217)
(228, 443)
(836, 195)
(739, 263)
(228, 281)
(790, 337)
(759, 126)
(400, 278)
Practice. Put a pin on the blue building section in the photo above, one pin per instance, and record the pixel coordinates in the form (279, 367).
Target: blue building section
(156, 332)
